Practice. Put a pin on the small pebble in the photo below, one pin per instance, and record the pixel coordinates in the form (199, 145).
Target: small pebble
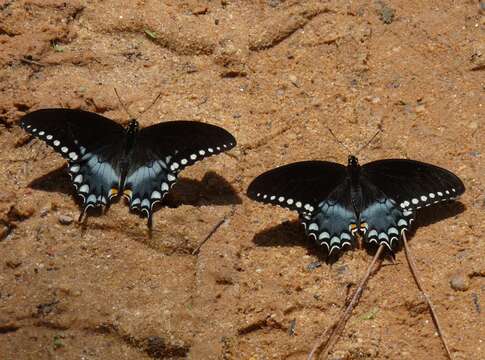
(476, 302)
(65, 220)
(342, 269)
(459, 282)
(387, 14)
(21, 212)
(274, 3)
(420, 108)
(473, 125)
(294, 80)
(44, 212)
(314, 265)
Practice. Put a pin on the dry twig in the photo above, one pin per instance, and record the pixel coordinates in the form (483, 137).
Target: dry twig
(414, 271)
(339, 326)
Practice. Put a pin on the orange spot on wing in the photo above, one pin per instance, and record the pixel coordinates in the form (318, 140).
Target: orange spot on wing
(127, 193)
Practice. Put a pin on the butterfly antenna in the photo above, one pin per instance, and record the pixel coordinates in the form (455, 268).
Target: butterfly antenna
(339, 142)
(368, 142)
(339, 326)
(414, 271)
(151, 105)
(123, 104)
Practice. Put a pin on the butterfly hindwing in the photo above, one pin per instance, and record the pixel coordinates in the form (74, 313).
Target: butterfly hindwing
(381, 219)
(413, 184)
(298, 186)
(334, 222)
(161, 151)
(96, 175)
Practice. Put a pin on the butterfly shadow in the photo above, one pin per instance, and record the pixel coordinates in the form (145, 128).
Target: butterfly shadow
(213, 189)
(292, 233)
(55, 181)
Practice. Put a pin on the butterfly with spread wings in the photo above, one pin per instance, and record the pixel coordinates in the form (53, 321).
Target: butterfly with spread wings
(378, 199)
(107, 159)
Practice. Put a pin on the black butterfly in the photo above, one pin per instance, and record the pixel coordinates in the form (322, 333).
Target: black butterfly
(378, 199)
(106, 159)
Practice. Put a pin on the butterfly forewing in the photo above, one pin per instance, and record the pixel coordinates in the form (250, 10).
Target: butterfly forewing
(70, 132)
(92, 143)
(299, 186)
(413, 184)
(161, 151)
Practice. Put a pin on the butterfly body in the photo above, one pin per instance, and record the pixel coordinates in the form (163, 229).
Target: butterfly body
(106, 159)
(377, 200)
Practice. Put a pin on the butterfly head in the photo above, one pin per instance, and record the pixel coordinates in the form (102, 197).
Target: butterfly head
(353, 161)
(132, 127)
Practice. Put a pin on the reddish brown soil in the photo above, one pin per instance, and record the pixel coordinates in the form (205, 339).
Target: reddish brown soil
(276, 74)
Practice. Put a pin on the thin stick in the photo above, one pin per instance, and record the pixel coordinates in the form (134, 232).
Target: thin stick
(340, 325)
(414, 271)
(214, 229)
(31, 62)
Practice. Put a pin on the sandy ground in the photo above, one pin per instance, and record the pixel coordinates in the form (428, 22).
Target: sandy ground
(276, 74)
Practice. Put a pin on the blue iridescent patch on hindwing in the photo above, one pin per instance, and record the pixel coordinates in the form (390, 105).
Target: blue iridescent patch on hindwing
(383, 222)
(95, 177)
(333, 223)
(148, 184)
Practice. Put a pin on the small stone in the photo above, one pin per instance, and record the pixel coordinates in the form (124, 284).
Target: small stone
(339, 355)
(190, 68)
(343, 269)
(373, 99)
(316, 102)
(274, 3)
(386, 14)
(21, 212)
(294, 80)
(4, 231)
(156, 347)
(478, 57)
(459, 282)
(65, 219)
(44, 212)
(200, 10)
(314, 265)
(420, 109)
(473, 125)
(13, 264)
